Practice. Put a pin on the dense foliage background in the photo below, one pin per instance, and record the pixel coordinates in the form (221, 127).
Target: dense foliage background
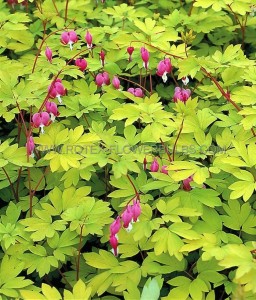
(178, 151)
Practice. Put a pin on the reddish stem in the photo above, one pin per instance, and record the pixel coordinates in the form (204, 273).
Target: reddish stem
(11, 184)
(135, 190)
(135, 83)
(66, 10)
(166, 150)
(176, 141)
(54, 4)
(79, 252)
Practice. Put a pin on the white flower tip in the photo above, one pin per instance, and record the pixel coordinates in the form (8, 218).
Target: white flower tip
(113, 251)
(59, 99)
(164, 77)
(70, 45)
(52, 117)
(42, 129)
(129, 228)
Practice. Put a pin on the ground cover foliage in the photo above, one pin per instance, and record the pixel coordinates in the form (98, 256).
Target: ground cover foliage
(154, 106)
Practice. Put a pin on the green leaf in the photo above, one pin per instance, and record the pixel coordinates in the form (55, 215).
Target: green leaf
(151, 290)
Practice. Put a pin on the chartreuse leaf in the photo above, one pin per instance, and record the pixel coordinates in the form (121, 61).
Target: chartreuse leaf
(244, 187)
(172, 210)
(151, 290)
(51, 293)
(10, 229)
(39, 260)
(167, 241)
(129, 274)
(180, 288)
(236, 214)
(241, 257)
(216, 5)
(160, 181)
(62, 244)
(188, 66)
(161, 264)
(125, 189)
(103, 260)
(149, 27)
(146, 224)
(91, 213)
(10, 282)
(79, 289)
(184, 169)
(209, 271)
(42, 225)
(128, 271)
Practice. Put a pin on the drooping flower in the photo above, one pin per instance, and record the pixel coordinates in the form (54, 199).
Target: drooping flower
(69, 37)
(114, 244)
(130, 51)
(12, 3)
(185, 80)
(48, 54)
(115, 226)
(102, 79)
(40, 120)
(116, 83)
(136, 92)
(52, 109)
(88, 38)
(145, 57)
(30, 145)
(106, 78)
(154, 167)
(81, 63)
(163, 170)
(102, 57)
(56, 90)
(181, 94)
(186, 183)
(127, 216)
(136, 210)
(164, 67)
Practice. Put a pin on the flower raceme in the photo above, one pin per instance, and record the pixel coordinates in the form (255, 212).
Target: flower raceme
(130, 215)
(164, 67)
(136, 92)
(40, 120)
(48, 54)
(102, 79)
(181, 94)
(81, 63)
(145, 57)
(56, 90)
(69, 37)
